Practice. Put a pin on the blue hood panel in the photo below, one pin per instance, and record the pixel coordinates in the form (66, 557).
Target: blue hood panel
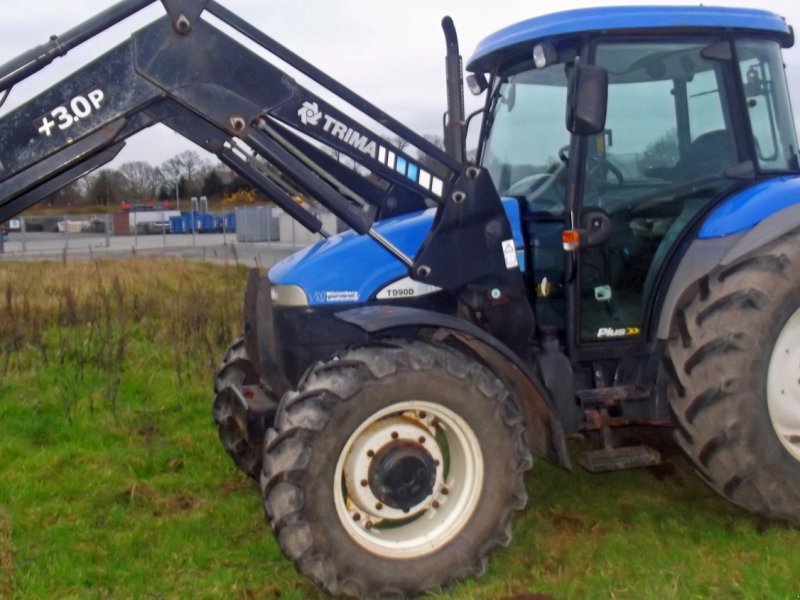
(749, 207)
(348, 268)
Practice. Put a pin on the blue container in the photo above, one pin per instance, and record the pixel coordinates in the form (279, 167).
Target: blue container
(209, 222)
(230, 222)
(176, 224)
(186, 218)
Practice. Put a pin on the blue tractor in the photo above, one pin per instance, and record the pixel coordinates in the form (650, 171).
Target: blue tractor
(648, 167)
(624, 253)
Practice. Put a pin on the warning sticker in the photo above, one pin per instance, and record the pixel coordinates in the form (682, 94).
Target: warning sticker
(510, 254)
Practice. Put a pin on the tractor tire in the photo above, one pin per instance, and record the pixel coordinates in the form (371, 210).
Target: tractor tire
(243, 445)
(394, 469)
(735, 393)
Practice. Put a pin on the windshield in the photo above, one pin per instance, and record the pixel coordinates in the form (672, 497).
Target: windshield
(525, 149)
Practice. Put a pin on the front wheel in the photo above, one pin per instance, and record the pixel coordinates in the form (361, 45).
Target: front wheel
(394, 469)
(243, 408)
(736, 385)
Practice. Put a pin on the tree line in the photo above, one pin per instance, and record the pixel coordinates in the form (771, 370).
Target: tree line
(184, 175)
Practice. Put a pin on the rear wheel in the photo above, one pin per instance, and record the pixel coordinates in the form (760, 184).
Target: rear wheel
(394, 469)
(736, 392)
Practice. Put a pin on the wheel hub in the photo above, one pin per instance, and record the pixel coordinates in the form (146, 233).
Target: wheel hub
(393, 468)
(783, 386)
(408, 479)
(402, 475)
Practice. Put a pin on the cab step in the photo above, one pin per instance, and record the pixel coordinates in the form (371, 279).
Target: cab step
(617, 459)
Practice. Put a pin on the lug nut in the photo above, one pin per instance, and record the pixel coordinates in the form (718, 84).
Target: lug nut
(422, 414)
(435, 504)
(370, 453)
(369, 525)
(422, 439)
(378, 506)
(395, 435)
(356, 517)
(435, 463)
(364, 483)
(445, 491)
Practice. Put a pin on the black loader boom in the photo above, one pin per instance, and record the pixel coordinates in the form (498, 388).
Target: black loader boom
(187, 74)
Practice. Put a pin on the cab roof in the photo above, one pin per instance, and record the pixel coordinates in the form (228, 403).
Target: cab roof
(619, 18)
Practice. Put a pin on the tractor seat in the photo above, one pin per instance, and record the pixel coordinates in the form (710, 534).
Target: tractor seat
(710, 154)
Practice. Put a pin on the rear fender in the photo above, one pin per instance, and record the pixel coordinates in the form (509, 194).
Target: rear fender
(545, 434)
(704, 256)
(766, 232)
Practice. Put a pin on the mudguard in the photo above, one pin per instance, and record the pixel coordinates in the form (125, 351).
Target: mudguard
(546, 436)
(259, 333)
(704, 255)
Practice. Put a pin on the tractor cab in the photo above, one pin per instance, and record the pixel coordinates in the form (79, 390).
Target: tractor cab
(693, 115)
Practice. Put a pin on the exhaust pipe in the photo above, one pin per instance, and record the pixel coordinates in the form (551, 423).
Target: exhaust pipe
(454, 118)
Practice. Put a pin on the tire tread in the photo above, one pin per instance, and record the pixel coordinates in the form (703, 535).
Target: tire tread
(717, 374)
(302, 414)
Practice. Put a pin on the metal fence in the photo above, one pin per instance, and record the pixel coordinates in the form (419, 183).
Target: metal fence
(253, 231)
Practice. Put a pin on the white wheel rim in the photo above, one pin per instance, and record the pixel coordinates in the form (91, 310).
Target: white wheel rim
(436, 519)
(783, 386)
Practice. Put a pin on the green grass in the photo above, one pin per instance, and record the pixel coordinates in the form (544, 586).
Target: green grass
(114, 484)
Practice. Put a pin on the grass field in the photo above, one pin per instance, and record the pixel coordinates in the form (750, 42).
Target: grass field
(114, 485)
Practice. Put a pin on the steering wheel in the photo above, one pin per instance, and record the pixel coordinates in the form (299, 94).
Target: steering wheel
(598, 165)
(536, 189)
(544, 192)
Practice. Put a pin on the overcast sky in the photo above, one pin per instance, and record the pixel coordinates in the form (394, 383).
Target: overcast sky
(391, 53)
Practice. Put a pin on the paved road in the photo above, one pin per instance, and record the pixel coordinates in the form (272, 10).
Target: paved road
(215, 247)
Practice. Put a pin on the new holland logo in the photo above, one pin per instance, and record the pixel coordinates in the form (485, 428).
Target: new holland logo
(310, 114)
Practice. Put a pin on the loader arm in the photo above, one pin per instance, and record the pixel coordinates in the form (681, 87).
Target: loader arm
(183, 71)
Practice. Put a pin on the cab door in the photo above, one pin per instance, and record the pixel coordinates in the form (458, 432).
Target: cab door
(662, 157)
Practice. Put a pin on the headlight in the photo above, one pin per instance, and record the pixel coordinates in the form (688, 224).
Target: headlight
(289, 295)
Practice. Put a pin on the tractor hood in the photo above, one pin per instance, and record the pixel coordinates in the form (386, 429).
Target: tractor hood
(349, 268)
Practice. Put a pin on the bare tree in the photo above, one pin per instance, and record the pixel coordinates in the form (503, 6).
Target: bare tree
(171, 169)
(187, 167)
(141, 179)
(106, 187)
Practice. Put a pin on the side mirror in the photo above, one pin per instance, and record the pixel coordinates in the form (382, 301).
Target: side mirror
(587, 100)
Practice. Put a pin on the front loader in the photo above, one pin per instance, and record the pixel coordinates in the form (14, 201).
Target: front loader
(623, 253)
